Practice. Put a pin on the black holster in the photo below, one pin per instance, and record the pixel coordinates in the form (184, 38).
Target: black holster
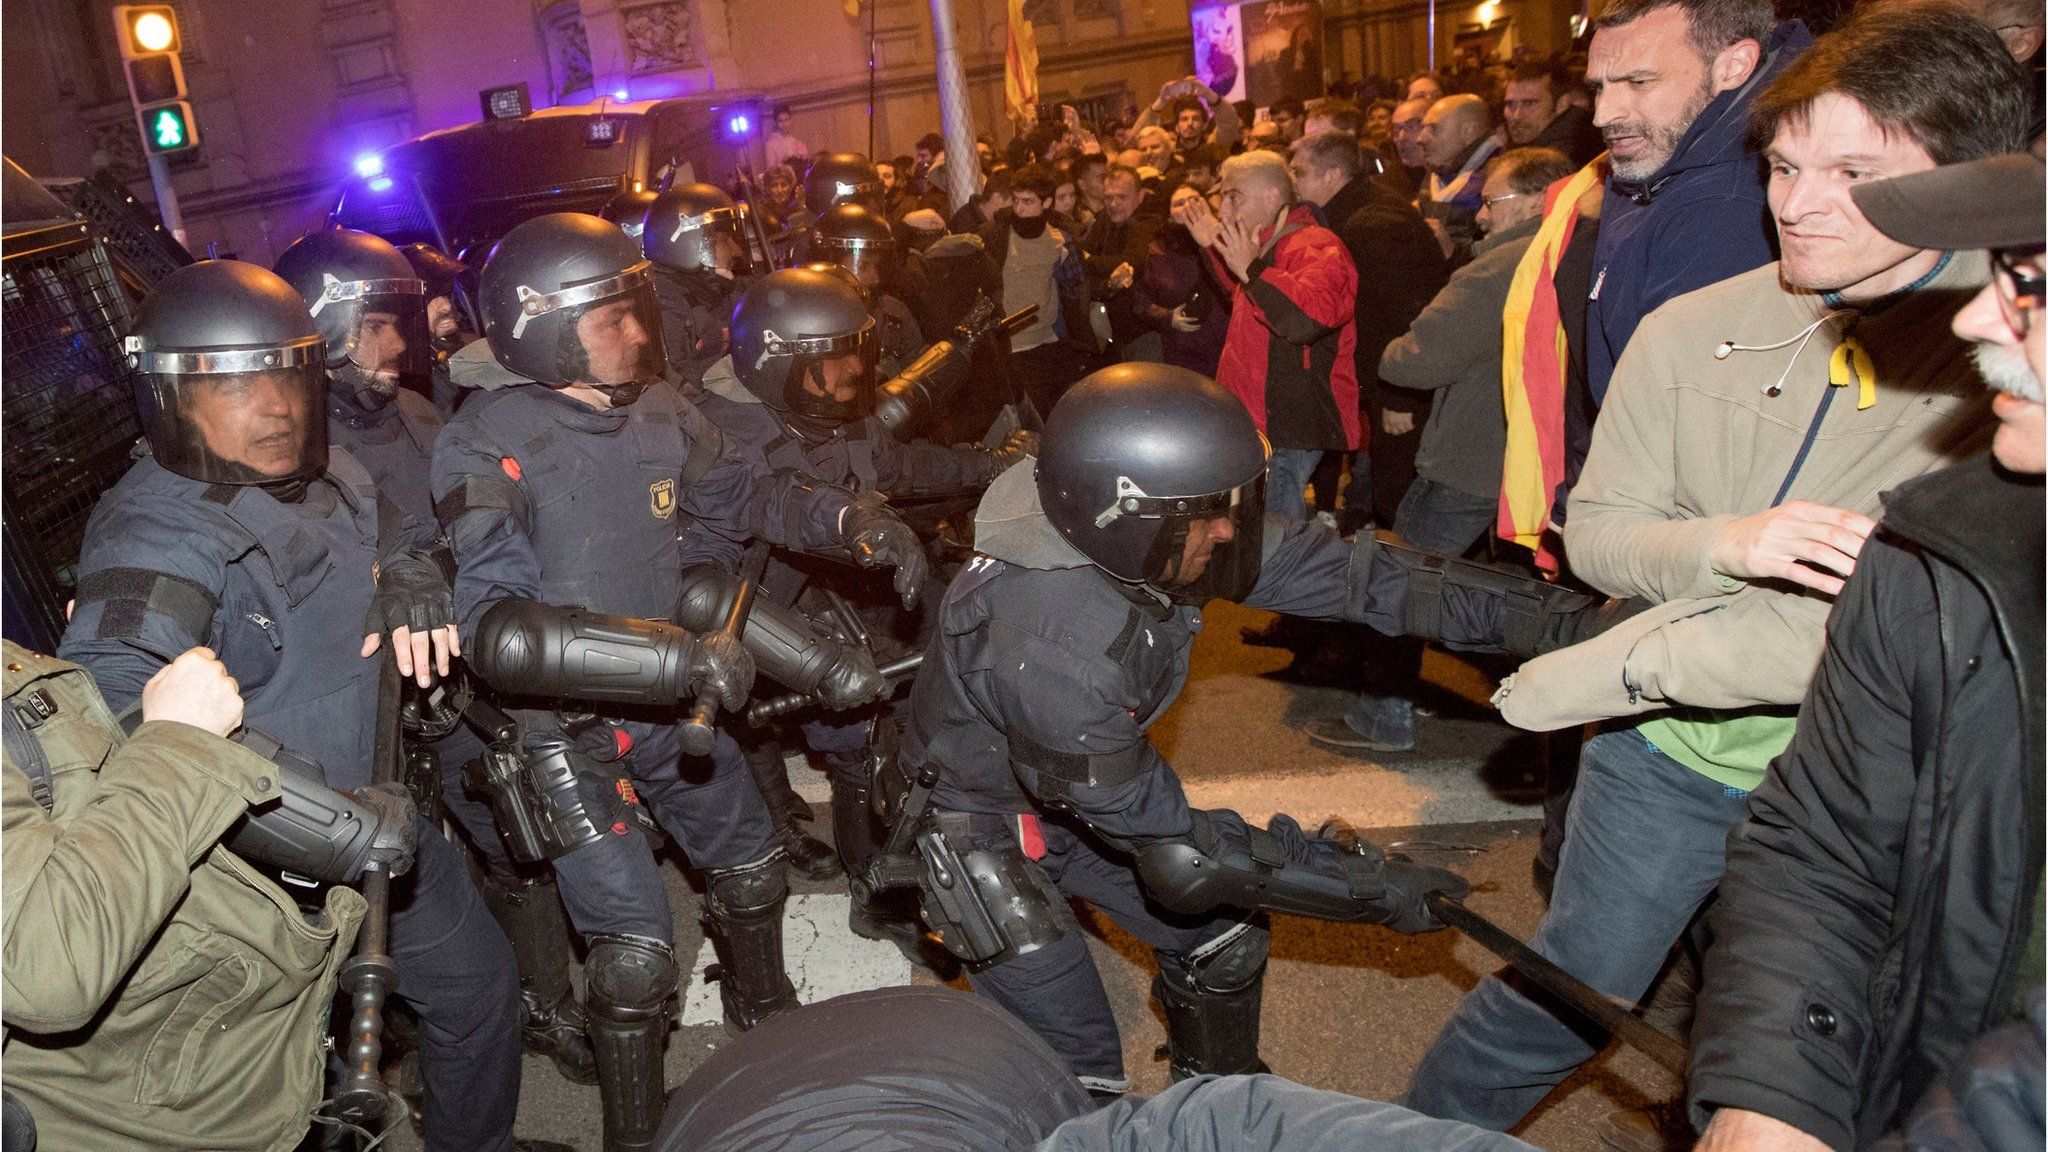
(545, 797)
(985, 906)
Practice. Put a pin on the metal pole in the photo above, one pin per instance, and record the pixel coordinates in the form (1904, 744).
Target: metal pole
(166, 197)
(873, 51)
(963, 164)
(1432, 35)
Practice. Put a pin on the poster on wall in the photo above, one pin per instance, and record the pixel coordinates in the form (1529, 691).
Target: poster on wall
(1283, 50)
(1262, 51)
(1219, 50)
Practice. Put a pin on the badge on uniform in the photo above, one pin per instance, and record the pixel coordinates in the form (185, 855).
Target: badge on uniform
(661, 498)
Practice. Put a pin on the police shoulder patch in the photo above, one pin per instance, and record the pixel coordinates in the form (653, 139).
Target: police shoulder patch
(661, 498)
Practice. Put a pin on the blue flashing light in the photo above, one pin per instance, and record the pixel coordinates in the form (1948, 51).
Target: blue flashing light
(738, 124)
(370, 164)
(381, 184)
(621, 94)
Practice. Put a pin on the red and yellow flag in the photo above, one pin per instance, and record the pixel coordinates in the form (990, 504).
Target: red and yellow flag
(1532, 370)
(1020, 65)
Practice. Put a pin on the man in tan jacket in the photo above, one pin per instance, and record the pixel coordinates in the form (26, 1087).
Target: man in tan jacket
(1734, 474)
(160, 991)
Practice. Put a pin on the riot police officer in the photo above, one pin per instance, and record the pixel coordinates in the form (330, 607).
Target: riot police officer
(628, 209)
(842, 178)
(691, 233)
(807, 408)
(243, 531)
(1057, 648)
(859, 239)
(447, 327)
(567, 490)
(370, 309)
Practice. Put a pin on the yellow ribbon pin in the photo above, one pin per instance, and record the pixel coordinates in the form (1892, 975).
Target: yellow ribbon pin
(1851, 365)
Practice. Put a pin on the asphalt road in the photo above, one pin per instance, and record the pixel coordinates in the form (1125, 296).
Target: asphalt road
(1349, 1008)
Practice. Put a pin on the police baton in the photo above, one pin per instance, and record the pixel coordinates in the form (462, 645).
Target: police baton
(700, 731)
(1581, 997)
(781, 706)
(369, 976)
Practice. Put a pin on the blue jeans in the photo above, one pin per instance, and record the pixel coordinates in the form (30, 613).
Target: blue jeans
(1435, 518)
(1643, 848)
(1287, 476)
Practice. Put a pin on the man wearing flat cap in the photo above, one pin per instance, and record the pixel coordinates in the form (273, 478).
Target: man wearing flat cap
(1876, 972)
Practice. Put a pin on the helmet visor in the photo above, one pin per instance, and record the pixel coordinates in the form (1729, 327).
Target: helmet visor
(238, 427)
(868, 260)
(614, 340)
(832, 379)
(1207, 547)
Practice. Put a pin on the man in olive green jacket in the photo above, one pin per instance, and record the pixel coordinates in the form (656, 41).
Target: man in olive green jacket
(159, 991)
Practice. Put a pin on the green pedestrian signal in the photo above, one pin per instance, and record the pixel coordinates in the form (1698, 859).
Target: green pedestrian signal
(169, 127)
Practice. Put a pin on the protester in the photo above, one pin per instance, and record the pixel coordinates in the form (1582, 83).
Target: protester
(1909, 804)
(1536, 117)
(1293, 289)
(1738, 508)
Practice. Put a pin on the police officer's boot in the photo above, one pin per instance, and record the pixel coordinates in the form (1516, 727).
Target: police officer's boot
(551, 1022)
(743, 918)
(631, 979)
(1470, 605)
(807, 854)
(1211, 998)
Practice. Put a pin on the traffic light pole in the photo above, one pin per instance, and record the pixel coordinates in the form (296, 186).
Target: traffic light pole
(166, 196)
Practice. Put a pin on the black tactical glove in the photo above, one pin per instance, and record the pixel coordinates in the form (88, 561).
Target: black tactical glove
(396, 837)
(720, 663)
(852, 680)
(1406, 883)
(1016, 446)
(878, 539)
(411, 593)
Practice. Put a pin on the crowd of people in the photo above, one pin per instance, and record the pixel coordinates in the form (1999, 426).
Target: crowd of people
(1699, 375)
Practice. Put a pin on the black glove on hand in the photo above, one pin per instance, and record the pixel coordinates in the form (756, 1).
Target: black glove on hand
(411, 593)
(878, 539)
(720, 663)
(1016, 446)
(396, 837)
(1404, 883)
(852, 680)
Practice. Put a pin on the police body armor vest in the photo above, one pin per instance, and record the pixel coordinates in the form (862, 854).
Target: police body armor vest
(1146, 641)
(604, 492)
(396, 445)
(290, 621)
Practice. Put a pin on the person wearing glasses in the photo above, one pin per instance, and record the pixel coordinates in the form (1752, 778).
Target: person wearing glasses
(1880, 921)
(1452, 351)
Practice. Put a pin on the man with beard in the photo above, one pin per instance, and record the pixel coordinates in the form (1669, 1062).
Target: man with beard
(1732, 482)
(1684, 205)
(1537, 117)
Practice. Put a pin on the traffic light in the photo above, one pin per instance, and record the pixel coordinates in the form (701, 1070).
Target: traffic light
(150, 44)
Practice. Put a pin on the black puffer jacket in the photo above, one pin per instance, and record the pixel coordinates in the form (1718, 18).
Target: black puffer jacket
(1877, 900)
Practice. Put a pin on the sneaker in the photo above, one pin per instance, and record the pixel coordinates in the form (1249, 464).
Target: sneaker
(1332, 732)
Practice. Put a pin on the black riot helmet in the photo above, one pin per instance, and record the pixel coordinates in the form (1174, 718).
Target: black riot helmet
(840, 177)
(693, 228)
(568, 299)
(1157, 475)
(858, 238)
(803, 342)
(230, 376)
(369, 305)
(627, 209)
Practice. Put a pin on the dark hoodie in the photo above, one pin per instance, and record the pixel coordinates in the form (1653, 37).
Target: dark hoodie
(1699, 220)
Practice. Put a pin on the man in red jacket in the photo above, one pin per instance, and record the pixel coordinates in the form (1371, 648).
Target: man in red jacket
(1288, 352)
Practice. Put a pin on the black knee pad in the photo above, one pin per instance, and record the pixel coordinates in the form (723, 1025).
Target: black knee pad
(748, 890)
(1230, 962)
(629, 977)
